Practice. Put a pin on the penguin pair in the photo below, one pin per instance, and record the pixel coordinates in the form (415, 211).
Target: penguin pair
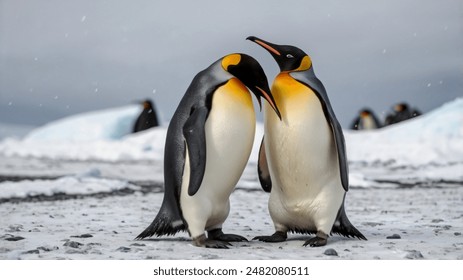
(302, 159)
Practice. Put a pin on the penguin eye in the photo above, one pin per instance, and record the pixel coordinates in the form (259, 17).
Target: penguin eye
(289, 55)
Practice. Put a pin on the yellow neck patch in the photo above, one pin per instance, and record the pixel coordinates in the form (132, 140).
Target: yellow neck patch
(305, 64)
(289, 94)
(231, 59)
(234, 92)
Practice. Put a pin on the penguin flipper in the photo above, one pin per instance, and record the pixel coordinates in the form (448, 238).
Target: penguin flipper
(343, 226)
(310, 80)
(355, 124)
(195, 137)
(262, 169)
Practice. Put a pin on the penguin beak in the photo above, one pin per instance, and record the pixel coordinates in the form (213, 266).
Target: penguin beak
(270, 100)
(251, 74)
(271, 48)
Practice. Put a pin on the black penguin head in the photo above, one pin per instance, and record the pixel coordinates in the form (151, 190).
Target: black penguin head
(400, 107)
(251, 74)
(365, 112)
(289, 58)
(147, 104)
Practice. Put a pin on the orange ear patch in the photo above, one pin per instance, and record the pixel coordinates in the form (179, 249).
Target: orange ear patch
(305, 64)
(231, 59)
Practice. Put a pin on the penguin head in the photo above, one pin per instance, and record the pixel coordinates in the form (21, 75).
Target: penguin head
(147, 104)
(365, 113)
(246, 69)
(289, 58)
(400, 107)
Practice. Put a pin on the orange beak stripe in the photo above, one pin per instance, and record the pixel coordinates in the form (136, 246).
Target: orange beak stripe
(267, 47)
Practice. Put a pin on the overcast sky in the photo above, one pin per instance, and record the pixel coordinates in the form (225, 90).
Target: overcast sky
(58, 58)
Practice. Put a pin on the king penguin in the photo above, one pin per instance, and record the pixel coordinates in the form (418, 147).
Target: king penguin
(366, 120)
(302, 159)
(401, 112)
(208, 144)
(147, 118)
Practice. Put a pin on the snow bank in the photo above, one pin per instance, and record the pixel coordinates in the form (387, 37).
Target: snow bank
(101, 135)
(14, 130)
(109, 124)
(89, 182)
(145, 145)
(436, 137)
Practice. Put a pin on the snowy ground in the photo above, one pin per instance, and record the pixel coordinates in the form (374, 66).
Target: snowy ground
(88, 198)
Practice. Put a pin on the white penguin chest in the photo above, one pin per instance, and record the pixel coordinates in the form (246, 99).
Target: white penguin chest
(301, 153)
(229, 129)
(368, 123)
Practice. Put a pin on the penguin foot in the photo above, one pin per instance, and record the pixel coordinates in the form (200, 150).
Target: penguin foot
(217, 234)
(316, 242)
(216, 244)
(320, 240)
(202, 241)
(278, 236)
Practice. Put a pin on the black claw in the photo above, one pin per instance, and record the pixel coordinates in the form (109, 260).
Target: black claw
(316, 242)
(217, 234)
(202, 241)
(278, 236)
(232, 238)
(216, 244)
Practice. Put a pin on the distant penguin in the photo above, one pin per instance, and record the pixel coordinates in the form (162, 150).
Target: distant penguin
(147, 119)
(366, 120)
(401, 112)
(302, 158)
(208, 144)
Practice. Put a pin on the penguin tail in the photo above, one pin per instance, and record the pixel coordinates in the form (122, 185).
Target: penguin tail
(163, 224)
(343, 226)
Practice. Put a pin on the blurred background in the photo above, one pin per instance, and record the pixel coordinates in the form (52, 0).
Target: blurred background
(59, 58)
